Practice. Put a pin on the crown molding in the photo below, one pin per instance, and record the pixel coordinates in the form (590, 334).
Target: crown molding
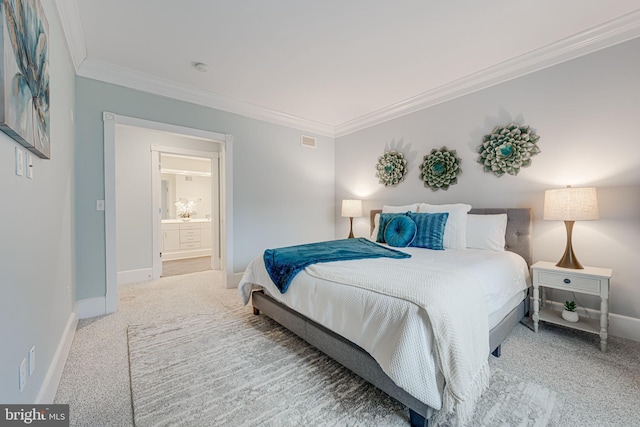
(69, 15)
(617, 31)
(110, 73)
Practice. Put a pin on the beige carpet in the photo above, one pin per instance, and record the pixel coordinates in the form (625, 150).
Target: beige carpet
(593, 388)
(233, 368)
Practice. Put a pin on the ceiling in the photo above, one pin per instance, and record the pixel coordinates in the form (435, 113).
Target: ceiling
(332, 66)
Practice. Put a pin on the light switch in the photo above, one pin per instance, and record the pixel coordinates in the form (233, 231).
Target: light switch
(99, 205)
(19, 162)
(29, 165)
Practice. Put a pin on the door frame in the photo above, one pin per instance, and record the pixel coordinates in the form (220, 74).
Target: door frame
(226, 194)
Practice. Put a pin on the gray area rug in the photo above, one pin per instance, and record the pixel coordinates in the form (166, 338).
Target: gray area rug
(232, 368)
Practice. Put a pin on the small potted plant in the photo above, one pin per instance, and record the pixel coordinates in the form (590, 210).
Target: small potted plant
(569, 313)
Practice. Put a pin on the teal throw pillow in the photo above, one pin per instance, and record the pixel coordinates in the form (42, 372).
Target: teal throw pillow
(384, 220)
(400, 231)
(430, 229)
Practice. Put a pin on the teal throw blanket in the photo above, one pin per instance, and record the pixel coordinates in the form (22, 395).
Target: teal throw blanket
(284, 263)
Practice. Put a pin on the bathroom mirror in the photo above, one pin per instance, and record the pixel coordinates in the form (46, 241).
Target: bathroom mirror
(185, 180)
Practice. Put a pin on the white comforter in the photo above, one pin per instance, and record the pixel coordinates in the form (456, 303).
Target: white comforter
(396, 332)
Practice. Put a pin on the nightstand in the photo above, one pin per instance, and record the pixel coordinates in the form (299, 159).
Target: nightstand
(590, 280)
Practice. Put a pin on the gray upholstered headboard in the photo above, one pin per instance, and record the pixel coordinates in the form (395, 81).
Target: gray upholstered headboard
(518, 237)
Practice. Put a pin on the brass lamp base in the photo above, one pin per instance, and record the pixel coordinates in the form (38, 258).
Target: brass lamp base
(569, 259)
(351, 236)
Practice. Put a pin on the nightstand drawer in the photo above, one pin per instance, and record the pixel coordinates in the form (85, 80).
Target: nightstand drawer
(569, 282)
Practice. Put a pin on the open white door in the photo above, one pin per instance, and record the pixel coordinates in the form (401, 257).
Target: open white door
(156, 196)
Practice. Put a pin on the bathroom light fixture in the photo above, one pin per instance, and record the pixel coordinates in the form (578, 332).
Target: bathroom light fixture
(569, 205)
(351, 208)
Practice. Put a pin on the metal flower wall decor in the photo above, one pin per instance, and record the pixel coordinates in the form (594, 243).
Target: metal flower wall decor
(391, 168)
(440, 169)
(24, 71)
(507, 149)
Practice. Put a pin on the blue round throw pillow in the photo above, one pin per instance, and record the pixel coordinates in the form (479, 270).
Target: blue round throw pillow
(400, 231)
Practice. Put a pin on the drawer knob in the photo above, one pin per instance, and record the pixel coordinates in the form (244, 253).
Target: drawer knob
(567, 281)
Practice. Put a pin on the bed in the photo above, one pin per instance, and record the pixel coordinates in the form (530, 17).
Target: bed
(325, 314)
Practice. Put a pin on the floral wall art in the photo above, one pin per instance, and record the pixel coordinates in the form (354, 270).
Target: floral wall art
(440, 169)
(507, 149)
(391, 168)
(24, 72)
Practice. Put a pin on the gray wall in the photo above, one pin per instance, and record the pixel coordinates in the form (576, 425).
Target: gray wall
(587, 112)
(36, 243)
(283, 194)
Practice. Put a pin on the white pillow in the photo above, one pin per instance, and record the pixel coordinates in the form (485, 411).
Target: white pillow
(400, 209)
(455, 231)
(376, 225)
(486, 231)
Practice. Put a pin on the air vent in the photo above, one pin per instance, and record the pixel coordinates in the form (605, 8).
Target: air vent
(308, 141)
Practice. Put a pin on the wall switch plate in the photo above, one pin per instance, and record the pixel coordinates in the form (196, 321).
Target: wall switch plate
(99, 205)
(32, 360)
(19, 162)
(23, 375)
(29, 165)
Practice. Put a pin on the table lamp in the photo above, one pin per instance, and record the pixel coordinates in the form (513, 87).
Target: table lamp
(569, 205)
(351, 208)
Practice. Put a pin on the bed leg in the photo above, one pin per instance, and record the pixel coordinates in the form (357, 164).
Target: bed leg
(498, 351)
(256, 311)
(417, 420)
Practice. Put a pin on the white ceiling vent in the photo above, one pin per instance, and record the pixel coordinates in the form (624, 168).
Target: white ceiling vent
(308, 141)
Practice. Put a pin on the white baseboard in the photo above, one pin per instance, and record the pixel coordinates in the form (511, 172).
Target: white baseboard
(619, 326)
(91, 307)
(49, 387)
(233, 280)
(624, 327)
(192, 253)
(134, 276)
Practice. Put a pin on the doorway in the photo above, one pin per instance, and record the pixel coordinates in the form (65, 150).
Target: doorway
(188, 183)
(162, 131)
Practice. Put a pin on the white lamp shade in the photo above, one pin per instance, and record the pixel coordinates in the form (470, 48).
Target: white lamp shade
(571, 204)
(352, 208)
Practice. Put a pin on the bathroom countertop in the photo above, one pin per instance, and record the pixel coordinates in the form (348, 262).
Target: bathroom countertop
(179, 221)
